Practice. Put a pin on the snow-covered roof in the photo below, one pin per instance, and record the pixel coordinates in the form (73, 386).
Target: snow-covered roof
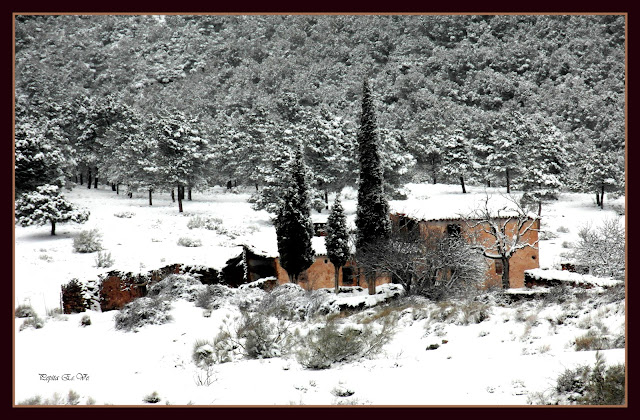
(452, 207)
(569, 277)
(270, 249)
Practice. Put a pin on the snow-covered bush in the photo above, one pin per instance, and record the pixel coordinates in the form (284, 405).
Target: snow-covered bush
(85, 321)
(25, 311)
(592, 341)
(32, 322)
(177, 286)
(287, 301)
(143, 311)
(47, 205)
(332, 343)
(602, 249)
(212, 296)
(586, 385)
(205, 222)
(189, 242)
(124, 214)
(152, 398)
(73, 398)
(88, 241)
(104, 260)
(263, 336)
(461, 313)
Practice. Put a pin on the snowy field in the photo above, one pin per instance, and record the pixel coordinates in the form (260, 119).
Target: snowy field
(515, 350)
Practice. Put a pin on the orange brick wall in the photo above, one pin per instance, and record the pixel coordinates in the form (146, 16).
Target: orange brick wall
(523, 259)
(321, 274)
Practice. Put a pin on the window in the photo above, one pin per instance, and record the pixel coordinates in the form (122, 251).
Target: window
(319, 229)
(453, 229)
(498, 266)
(347, 275)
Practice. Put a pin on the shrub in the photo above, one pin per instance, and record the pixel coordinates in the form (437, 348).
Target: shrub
(591, 341)
(85, 321)
(602, 249)
(143, 311)
(25, 311)
(329, 344)
(88, 241)
(586, 385)
(73, 398)
(152, 398)
(177, 286)
(209, 223)
(461, 313)
(189, 242)
(32, 322)
(287, 301)
(124, 214)
(263, 338)
(212, 296)
(104, 260)
(562, 229)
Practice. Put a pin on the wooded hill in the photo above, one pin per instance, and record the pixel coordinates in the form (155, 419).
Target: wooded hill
(535, 103)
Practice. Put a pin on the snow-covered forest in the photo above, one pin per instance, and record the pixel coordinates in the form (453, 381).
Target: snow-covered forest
(143, 141)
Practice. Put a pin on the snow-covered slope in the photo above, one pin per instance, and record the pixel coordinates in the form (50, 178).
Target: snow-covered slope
(514, 351)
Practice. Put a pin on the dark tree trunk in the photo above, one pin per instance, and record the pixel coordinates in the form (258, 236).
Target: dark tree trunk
(235, 183)
(76, 178)
(508, 181)
(597, 198)
(53, 227)
(95, 182)
(371, 283)
(539, 208)
(180, 197)
(488, 183)
(117, 188)
(326, 200)
(337, 279)
(602, 197)
(150, 200)
(464, 190)
(81, 180)
(189, 193)
(173, 195)
(256, 186)
(505, 273)
(113, 186)
(89, 179)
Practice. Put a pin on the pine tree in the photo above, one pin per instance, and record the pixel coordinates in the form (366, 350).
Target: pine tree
(372, 216)
(47, 205)
(543, 165)
(457, 157)
(337, 239)
(294, 229)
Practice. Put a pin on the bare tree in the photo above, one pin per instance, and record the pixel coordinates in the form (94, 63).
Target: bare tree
(602, 249)
(501, 232)
(429, 263)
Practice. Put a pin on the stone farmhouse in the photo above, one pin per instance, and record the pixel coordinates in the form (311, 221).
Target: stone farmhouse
(255, 264)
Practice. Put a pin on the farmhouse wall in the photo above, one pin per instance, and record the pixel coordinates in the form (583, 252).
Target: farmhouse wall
(321, 274)
(524, 259)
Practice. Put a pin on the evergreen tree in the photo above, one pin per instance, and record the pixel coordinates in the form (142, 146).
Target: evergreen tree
(294, 229)
(47, 205)
(372, 215)
(457, 157)
(543, 165)
(337, 239)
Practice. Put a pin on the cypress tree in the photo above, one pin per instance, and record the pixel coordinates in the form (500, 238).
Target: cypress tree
(337, 239)
(372, 216)
(293, 223)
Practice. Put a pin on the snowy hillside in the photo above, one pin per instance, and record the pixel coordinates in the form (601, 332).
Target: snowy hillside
(479, 352)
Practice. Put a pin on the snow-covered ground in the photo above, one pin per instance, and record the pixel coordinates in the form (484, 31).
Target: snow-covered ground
(516, 350)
